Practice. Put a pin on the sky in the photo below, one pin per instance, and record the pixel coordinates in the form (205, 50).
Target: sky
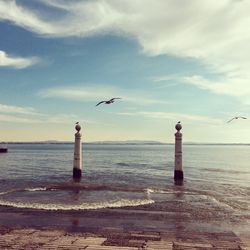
(168, 61)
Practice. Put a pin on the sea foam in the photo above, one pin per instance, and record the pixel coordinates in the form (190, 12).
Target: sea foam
(83, 206)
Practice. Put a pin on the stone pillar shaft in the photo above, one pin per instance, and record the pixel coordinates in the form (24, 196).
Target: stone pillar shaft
(178, 151)
(178, 173)
(77, 165)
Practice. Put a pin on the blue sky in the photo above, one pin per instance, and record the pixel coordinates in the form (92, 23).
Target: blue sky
(168, 60)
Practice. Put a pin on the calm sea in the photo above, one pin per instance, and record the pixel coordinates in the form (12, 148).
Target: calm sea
(217, 179)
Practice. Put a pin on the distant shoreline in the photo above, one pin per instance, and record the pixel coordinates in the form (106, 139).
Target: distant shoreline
(126, 143)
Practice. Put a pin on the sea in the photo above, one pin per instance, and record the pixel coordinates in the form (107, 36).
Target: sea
(215, 192)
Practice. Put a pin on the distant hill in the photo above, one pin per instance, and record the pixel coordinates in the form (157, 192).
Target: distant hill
(128, 142)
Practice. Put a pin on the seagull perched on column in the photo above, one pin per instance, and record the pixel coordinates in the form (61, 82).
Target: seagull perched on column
(236, 117)
(108, 101)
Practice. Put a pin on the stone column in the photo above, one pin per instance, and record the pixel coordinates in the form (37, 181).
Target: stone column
(77, 167)
(178, 172)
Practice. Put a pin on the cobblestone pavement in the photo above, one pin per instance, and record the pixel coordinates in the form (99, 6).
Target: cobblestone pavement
(112, 239)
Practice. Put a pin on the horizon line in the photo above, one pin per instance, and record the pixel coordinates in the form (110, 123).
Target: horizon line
(123, 142)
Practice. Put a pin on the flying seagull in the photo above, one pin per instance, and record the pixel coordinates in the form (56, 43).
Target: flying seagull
(236, 117)
(108, 101)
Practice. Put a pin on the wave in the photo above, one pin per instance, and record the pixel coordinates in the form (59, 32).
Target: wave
(6, 192)
(165, 191)
(122, 164)
(24, 190)
(229, 171)
(35, 189)
(159, 191)
(105, 188)
(73, 187)
(93, 187)
(12, 191)
(83, 206)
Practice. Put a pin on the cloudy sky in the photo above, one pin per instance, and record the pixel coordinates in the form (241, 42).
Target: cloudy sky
(169, 61)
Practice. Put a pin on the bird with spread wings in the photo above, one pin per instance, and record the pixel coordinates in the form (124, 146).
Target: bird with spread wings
(108, 101)
(236, 117)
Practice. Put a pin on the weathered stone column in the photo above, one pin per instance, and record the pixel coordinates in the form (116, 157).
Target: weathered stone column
(77, 167)
(178, 172)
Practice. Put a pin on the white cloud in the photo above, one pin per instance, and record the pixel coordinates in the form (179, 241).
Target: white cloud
(100, 92)
(42, 119)
(18, 114)
(213, 32)
(174, 117)
(16, 119)
(23, 17)
(16, 109)
(16, 62)
(226, 86)
(61, 118)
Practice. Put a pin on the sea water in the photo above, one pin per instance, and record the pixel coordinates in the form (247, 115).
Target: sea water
(216, 179)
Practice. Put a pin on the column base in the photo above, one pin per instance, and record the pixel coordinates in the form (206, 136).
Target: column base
(178, 175)
(77, 173)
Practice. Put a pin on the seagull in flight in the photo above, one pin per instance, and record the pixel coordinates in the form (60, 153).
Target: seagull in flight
(108, 101)
(236, 117)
